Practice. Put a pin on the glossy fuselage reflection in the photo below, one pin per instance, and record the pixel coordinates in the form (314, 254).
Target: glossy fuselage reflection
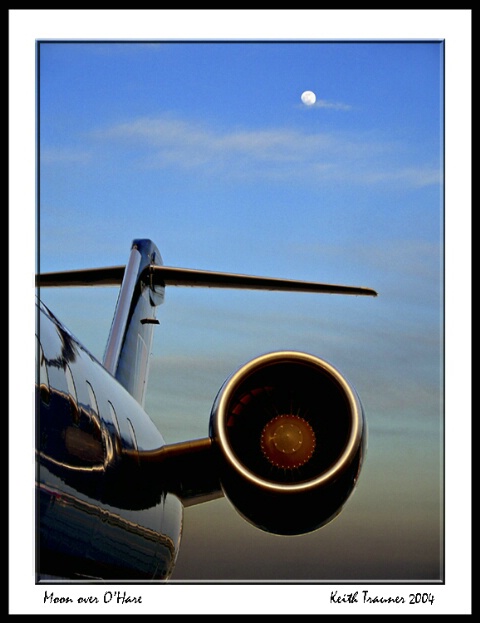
(97, 516)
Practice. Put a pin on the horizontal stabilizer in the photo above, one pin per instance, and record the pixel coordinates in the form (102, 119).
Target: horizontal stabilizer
(170, 276)
(209, 279)
(112, 276)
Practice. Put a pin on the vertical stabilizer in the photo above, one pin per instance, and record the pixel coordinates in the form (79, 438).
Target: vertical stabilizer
(130, 341)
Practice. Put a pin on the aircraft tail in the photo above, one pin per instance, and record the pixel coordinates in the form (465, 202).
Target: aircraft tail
(143, 283)
(127, 354)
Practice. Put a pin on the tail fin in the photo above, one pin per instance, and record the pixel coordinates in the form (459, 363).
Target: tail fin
(143, 283)
(129, 344)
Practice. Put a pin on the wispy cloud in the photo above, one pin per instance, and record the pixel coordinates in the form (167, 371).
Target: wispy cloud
(276, 153)
(331, 105)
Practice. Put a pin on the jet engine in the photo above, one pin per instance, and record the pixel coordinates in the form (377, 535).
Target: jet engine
(290, 435)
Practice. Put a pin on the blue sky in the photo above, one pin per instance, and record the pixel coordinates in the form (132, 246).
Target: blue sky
(206, 148)
(224, 167)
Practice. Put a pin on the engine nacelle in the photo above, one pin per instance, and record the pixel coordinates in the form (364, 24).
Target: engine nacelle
(290, 436)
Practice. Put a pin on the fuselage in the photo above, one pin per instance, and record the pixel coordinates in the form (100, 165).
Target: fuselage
(96, 515)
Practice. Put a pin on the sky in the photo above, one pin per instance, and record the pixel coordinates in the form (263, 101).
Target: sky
(205, 147)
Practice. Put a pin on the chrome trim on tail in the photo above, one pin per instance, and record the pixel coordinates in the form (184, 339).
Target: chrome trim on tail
(114, 344)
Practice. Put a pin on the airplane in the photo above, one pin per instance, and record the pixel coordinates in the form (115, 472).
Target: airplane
(285, 444)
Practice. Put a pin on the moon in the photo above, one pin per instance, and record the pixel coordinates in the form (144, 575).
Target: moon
(308, 98)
